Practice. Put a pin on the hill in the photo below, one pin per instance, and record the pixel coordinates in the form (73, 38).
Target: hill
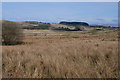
(74, 23)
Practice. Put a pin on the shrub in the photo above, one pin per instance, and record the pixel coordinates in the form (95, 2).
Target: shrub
(11, 33)
(79, 28)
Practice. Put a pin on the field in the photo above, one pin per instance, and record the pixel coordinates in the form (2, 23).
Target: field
(53, 54)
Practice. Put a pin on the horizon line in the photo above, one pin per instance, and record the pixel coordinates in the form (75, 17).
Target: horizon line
(108, 24)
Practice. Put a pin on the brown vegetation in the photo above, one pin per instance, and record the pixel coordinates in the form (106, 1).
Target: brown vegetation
(62, 55)
(11, 33)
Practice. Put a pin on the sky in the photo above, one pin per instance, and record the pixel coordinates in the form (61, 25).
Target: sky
(60, 0)
(54, 12)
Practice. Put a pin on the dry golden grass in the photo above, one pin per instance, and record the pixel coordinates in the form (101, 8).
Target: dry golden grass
(62, 55)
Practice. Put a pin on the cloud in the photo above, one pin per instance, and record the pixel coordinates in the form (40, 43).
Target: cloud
(114, 20)
(100, 19)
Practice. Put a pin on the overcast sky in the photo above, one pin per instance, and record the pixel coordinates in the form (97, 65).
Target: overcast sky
(91, 12)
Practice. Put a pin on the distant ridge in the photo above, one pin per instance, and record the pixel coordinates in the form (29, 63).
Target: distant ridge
(74, 23)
